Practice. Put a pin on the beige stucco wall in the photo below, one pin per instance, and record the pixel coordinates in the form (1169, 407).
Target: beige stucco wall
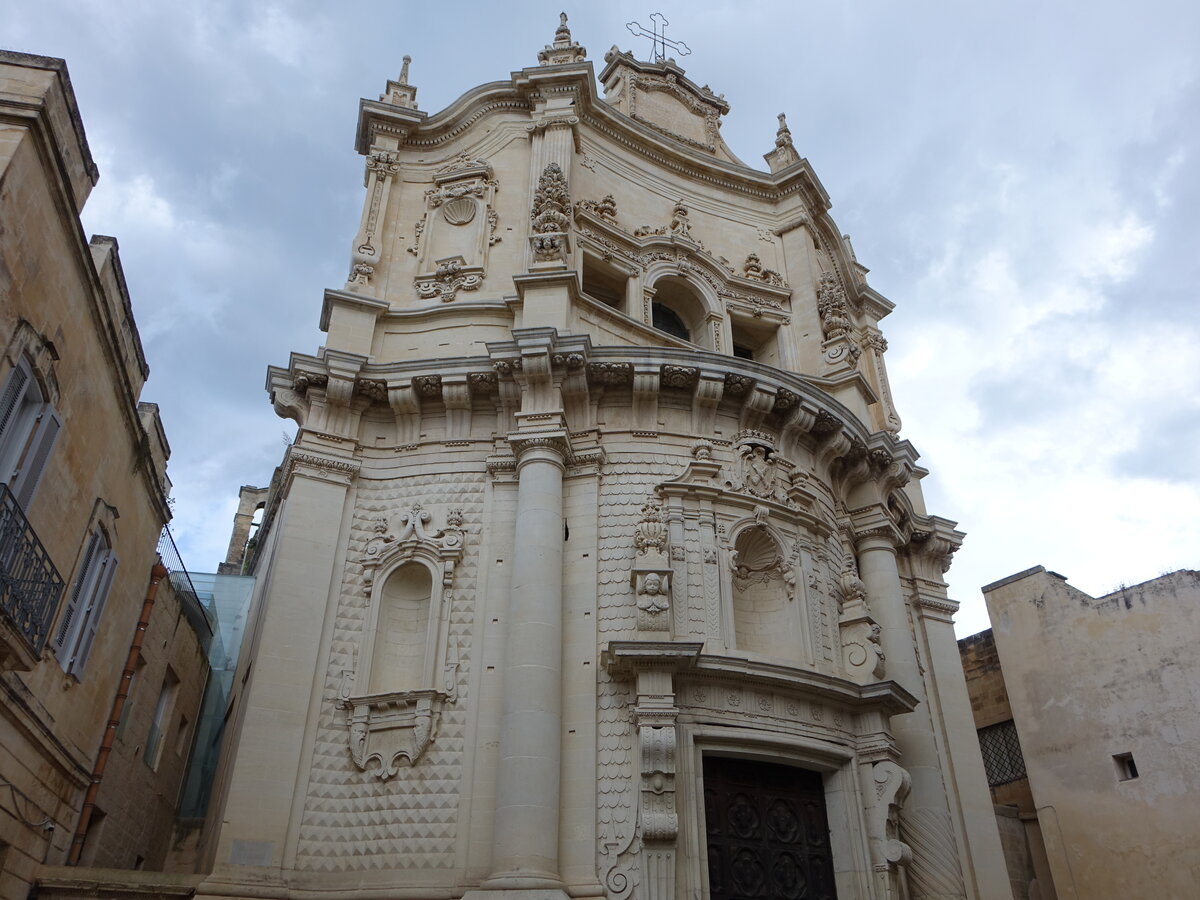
(1090, 678)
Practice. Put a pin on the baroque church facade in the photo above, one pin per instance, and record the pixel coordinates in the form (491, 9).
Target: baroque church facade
(598, 567)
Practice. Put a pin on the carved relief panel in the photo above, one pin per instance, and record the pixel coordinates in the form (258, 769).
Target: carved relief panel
(457, 230)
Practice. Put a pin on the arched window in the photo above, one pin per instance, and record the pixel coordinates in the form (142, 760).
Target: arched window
(665, 319)
(402, 631)
(81, 618)
(678, 309)
(29, 427)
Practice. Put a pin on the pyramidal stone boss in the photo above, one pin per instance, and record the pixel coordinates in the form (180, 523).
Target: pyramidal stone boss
(597, 568)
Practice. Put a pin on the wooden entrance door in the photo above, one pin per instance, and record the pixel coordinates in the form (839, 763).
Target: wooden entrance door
(768, 836)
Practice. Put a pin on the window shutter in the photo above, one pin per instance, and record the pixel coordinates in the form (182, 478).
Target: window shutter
(63, 638)
(10, 400)
(29, 473)
(108, 568)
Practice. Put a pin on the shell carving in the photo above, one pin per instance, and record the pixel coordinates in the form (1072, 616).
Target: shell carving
(460, 211)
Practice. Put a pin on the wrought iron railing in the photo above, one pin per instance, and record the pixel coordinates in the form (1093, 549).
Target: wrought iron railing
(30, 586)
(181, 582)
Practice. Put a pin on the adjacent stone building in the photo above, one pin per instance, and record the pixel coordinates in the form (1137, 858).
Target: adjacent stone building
(1087, 709)
(83, 501)
(597, 567)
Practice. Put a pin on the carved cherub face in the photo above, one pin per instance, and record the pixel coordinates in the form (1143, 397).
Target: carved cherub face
(652, 584)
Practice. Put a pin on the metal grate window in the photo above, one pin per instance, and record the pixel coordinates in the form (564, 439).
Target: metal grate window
(1002, 759)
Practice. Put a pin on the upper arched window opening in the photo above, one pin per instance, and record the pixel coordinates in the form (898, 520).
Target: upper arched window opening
(677, 309)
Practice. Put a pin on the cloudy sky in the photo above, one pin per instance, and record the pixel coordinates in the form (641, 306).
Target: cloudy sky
(1022, 178)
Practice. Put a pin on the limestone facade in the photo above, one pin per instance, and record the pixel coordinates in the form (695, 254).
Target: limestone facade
(597, 488)
(83, 485)
(1102, 693)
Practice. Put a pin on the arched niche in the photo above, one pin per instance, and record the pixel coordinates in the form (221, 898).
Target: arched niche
(766, 618)
(407, 666)
(402, 637)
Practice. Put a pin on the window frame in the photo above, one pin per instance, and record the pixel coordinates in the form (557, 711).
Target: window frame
(29, 429)
(80, 620)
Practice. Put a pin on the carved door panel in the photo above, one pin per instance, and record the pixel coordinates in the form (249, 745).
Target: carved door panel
(768, 835)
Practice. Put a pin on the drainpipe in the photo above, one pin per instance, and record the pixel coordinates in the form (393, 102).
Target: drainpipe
(157, 574)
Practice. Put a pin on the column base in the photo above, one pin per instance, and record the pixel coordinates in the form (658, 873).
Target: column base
(516, 893)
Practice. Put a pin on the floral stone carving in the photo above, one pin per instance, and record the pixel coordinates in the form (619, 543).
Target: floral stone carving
(452, 275)
(550, 217)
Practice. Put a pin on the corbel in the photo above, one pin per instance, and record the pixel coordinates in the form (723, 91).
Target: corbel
(646, 379)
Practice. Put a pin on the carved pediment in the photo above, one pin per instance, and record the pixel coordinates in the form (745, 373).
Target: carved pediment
(662, 97)
(411, 538)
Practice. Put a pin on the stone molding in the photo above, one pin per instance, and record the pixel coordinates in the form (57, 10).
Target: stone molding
(626, 658)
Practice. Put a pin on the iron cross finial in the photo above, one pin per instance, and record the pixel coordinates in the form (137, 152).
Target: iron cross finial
(658, 38)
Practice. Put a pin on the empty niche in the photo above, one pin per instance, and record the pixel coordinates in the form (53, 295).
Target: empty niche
(604, 282)
(402, 632)
(764, 617)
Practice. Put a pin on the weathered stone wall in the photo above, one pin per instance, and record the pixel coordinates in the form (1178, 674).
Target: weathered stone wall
(65, 303)
(1090, 679)
(138, 796)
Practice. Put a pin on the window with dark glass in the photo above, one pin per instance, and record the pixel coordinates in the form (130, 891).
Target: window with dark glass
(668, 321)
(1002, 759)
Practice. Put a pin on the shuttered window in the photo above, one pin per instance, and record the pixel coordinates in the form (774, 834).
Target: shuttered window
(81, 618)
(29, 428)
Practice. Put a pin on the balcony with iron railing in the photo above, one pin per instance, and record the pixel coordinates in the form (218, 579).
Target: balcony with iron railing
(30, 588)
(193, 608)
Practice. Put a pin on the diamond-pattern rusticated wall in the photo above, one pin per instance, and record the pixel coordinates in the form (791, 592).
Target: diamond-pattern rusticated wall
(352, 820)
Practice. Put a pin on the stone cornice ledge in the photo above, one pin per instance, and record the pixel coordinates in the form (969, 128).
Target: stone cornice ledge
(629, 657)
(346, 298)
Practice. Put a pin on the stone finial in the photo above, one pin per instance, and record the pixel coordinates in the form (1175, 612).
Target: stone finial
(564, 50)
(783, 137)
(784, 153)
(650, 535)
(400, 92)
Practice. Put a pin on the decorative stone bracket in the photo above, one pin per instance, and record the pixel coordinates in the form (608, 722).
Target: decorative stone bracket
(887, 785)
(388, 731)
(862, 654)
